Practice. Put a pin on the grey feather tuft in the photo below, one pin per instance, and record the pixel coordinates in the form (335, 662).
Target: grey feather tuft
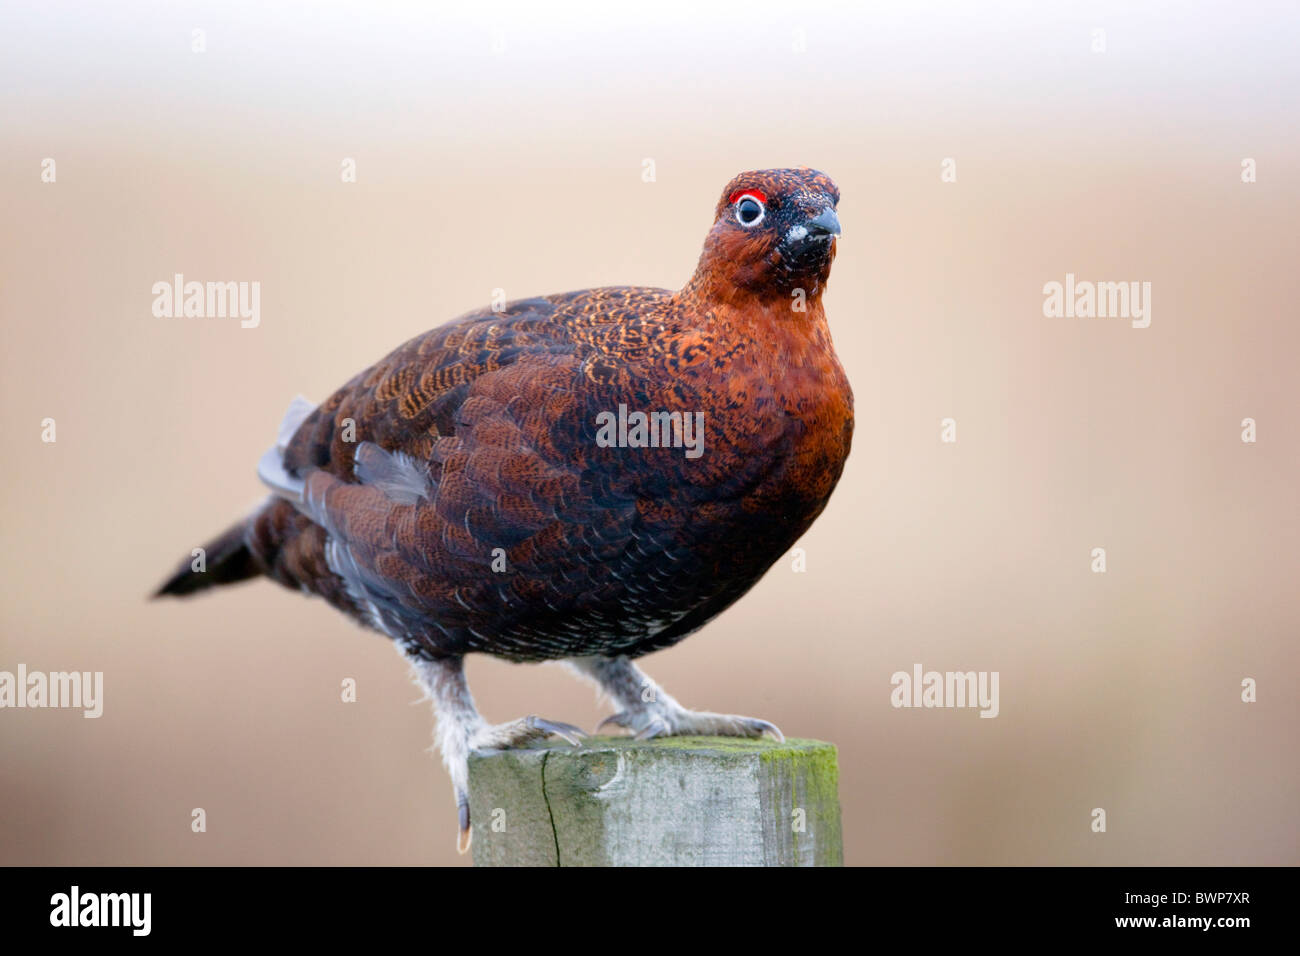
(271, 466)
(401, 479)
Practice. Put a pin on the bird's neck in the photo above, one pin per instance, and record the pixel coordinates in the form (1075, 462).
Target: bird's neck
(753, 286)
(771, 347)
(786, 324)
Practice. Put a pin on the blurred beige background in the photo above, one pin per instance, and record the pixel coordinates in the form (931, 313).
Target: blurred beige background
(503, 147)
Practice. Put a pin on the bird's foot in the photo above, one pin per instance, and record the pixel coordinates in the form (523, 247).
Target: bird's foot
(462, 730)
(515, 733)
(525, 730)
(656, 720)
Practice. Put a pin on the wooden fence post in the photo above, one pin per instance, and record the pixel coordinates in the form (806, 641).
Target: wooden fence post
(676, 801)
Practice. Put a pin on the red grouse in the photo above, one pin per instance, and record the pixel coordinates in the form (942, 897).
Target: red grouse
(589, 476)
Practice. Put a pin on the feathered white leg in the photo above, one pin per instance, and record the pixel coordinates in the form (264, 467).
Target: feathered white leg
(462, 730)
(647, 710)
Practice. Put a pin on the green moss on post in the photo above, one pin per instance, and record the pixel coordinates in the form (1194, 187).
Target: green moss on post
(679, 801)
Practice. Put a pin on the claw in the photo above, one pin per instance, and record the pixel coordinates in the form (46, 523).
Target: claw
(767, 727)
(648, 725)
(566, 732)
(655, 728)
(466, 836)
(618, 720)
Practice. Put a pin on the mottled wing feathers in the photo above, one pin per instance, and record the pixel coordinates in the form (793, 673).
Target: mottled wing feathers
(453, 477)
(414, 393)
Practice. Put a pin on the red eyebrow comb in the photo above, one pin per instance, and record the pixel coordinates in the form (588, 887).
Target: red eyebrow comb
(755, 193)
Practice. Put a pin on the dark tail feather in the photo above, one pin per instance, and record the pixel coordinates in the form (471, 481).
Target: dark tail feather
(226, 560)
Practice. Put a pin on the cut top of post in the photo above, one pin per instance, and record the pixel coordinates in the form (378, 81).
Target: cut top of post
(674, 801)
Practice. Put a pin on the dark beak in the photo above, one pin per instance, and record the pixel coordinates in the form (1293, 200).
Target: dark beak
(825, 223)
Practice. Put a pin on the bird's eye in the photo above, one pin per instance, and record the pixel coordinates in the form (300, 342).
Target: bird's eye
(749, 211)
